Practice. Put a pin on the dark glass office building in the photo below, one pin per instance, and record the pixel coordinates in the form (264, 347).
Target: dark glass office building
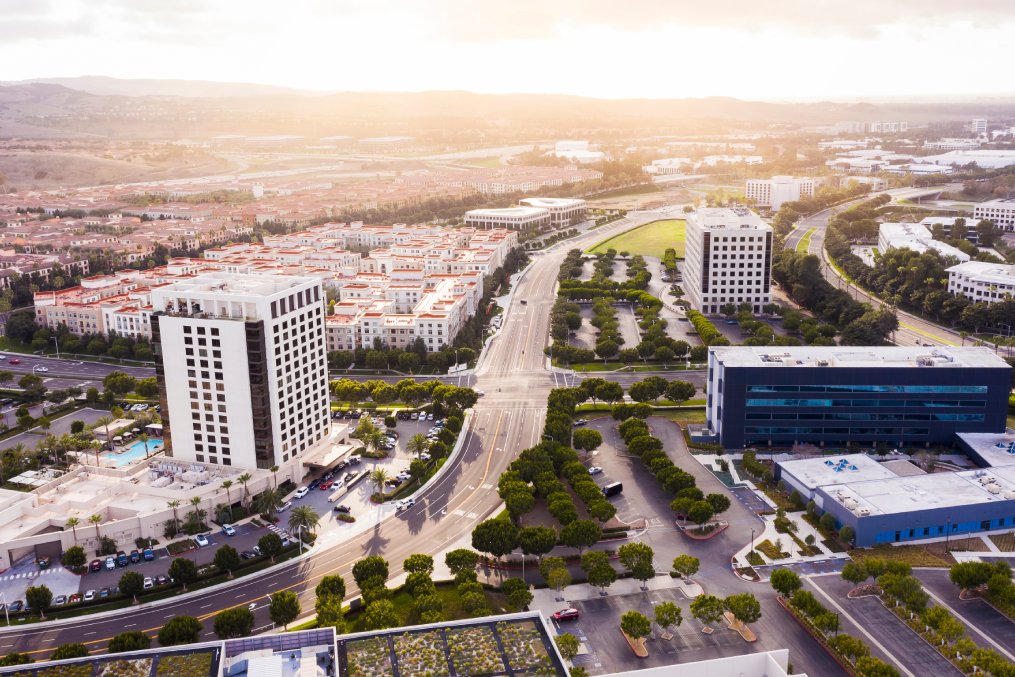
(777, 396)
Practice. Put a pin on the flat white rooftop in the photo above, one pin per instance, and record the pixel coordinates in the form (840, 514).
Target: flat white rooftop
(997, 449)
(877, 357)
(819, 472)
(515, 212)
(925, 492)
(985, 272)
(550, 202)
(728, 218)
(226, 284)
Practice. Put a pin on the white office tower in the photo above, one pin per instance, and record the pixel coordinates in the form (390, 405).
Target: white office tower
(775, 191)
(728, 259)
(241, 368)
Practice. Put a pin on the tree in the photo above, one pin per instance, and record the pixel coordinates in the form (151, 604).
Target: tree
(846, 534)
(233, 623)
(380, 615)
(418, 563)
(744, 607)
(72, 523)
(637, 559)
(785, 582)
(367, 568)
(668, 614)
(558, 579)
(869, 666)
(461, 560)
(707, 609)
(685, 565)
(39, 597)
(496, 537)
(268, 502)
(598, 570)
(72, 650)
(303, 517)
(587, 439)
(331, 586)
(581, 534)
(854, 573)
(635, 625)
(183, 570)
(720, 503)
(284, 608)
(700, 512)
(330, 613)
(568, 645)
(970, 575)
(517, 592)
(132, 583)
(378, 476)
(227, 559)
(243, 479)
(537, 540)
(417, 444)
(180, 630)
(132, 640)
(680, 391)
(74, 557)
(270, 545)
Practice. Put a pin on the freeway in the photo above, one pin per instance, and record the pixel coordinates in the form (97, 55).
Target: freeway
(512, 370)
(913, 330)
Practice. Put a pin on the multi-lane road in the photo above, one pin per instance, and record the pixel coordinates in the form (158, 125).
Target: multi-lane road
(913, 330)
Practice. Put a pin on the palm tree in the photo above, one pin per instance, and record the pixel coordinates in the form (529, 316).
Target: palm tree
(274, 477)
(304, 516)
(417, 444)
(227, 484)
(73, 523)
(379, 476)
(104, 422)
(96, 520)
(195, 515)
(244, 478)
(269, 502)
(144, 438)
(176, 516)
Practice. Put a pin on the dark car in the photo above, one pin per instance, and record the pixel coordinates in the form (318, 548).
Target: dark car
(16, 605)
(313, 485)
(104, 593)
(612, 489)
(248, 554)
(96, 565)
(342, 508)
(569, 614)
(121, 559)
(161, 580)
(135, 556)
(43, 562)
(348, 476)
(148, 554)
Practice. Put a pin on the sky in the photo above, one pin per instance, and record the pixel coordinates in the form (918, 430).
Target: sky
(752, 49)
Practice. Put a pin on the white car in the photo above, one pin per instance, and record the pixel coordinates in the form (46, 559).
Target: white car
(404, 504)
(285, 506)
(201, 540)
(301, 492)
(595, 470)
(424, 456)
(228, 529)
(404, 475)
(90, 595)
(148, 583)
(42, 369)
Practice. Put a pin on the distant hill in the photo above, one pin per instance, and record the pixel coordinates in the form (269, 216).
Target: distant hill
(106, 86)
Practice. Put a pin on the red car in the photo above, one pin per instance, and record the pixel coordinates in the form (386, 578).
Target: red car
(96, 565)
(570, 614)
(325, 485)
(14, 360)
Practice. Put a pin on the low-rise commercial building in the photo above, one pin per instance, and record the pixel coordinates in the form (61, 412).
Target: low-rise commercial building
(1001, 212)
(563, 211)
(982, 281)
(864, 395)
(775, 191)
(515, 218)
(917, 238)
(728, 259)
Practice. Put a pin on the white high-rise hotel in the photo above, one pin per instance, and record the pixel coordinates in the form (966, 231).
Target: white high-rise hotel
(728, 259)
(242, 368)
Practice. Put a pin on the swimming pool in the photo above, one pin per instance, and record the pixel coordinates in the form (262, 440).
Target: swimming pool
(135, 452)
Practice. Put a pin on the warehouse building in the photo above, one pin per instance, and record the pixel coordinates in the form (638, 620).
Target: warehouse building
(836, 395)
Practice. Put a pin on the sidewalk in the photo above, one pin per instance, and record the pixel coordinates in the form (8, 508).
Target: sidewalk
(548, 601)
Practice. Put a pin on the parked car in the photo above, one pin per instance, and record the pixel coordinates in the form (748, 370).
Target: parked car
(43, 562)
(424, 456)
(148, 584)
(429, 416)
(161, 580)
(202, 540)
(110, 564)
(342, 508)
(404, 504)
(90, 595)
(413, 416)
(581, 422)
(59, 600)
(228, 529)
(104, 593)
(314, 484)
(569, 614)
(148, 554)
(595, 470)
(285, 506)
(325, 485)
(348, 476)
(74, 599)
(248, 554)
(122, 559)
(18, 605)
(135, 556)
(301, 492)
(96, 565)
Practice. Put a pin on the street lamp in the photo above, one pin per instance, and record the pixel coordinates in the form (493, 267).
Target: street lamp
(57, 340)
(299, 536)
(752, 541)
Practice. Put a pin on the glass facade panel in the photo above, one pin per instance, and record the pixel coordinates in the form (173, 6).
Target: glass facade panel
(865, 389)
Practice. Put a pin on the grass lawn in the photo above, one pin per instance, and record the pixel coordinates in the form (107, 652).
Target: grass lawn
(630, 190)
(914, 555)
(652, 239)
(805, 242)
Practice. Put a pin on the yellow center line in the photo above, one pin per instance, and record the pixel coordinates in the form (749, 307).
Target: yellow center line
(927, 334)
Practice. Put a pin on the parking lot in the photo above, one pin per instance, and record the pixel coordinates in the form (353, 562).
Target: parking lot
(977, 614)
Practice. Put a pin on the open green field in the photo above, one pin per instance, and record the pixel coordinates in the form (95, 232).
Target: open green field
(492, 162)
(652, 239)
